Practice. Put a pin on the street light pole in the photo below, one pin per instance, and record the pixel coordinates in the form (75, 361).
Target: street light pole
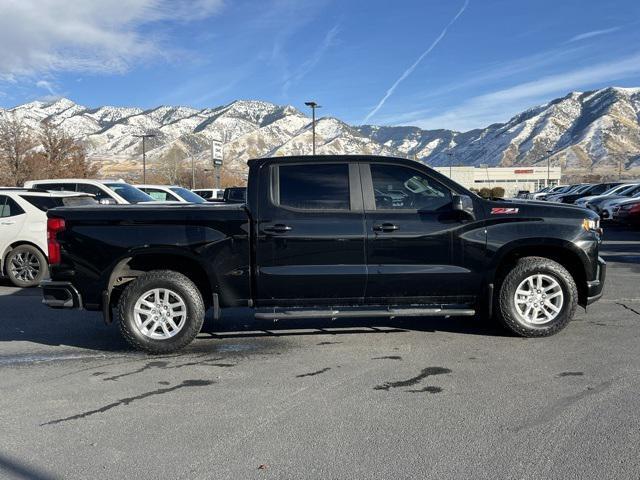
(144, 154)
(549, 152)
(313, 106)
(450, 154)
(620, 169)
(193, 174)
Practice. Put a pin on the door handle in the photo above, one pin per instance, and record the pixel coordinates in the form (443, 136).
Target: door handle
(385, 227)
(7, 223)
(278, 228)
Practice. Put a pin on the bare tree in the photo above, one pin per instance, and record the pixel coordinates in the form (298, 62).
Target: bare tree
(171, 165)
(61, 155)
(16, 151)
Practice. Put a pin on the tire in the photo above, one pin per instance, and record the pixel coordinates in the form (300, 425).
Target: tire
(512, 308)
(184, 306)
(26, 266)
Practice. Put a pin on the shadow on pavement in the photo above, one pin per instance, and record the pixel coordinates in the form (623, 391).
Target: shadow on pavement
(25, 319)
(16, 469)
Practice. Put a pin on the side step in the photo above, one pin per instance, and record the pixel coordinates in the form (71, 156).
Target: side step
(390, 312)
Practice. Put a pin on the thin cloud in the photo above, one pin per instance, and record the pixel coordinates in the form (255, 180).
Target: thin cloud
(410, 70)
(46, 85)
(498, 106)
(593, 33)
(309, 65)
(48, 36)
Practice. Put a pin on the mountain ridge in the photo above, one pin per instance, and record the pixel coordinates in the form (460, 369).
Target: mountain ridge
(583, 130)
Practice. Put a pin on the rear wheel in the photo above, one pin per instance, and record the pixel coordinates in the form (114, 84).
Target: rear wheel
(161, 312)
(26, 266)
(537, 298)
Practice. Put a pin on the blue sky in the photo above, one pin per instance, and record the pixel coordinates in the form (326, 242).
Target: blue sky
(431, 63)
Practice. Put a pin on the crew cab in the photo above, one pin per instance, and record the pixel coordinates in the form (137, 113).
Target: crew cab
(327, 236)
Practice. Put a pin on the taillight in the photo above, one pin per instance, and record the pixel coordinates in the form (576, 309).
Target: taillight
(635, 208)
(54, 226)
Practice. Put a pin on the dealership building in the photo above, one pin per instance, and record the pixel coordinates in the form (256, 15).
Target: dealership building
(512, 179)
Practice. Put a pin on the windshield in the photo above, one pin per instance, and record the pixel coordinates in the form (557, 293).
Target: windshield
(187, 195)
(129, 193)
(628, 189)
(616, 189)
(582, 189)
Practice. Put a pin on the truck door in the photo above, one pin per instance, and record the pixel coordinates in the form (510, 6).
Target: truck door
(409, 224)
(310, 235)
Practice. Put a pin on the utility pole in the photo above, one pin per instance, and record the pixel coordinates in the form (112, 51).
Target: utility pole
(450, 154)
(620, 169)
(144, 154)
(313, 106)
(193, 173)
(549, 152)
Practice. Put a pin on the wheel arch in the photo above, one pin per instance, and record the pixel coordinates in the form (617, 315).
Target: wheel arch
(560, 251)
(127, 269)
(15, 245)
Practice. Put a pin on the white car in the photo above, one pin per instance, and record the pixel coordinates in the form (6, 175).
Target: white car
(105, 191)
(23, 231)
(606, 212)
(547, 191)
(582, 202)
(210, 194)
(172, 193)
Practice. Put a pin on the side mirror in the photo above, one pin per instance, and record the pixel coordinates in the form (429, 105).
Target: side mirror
(464, 204)
(107, 201)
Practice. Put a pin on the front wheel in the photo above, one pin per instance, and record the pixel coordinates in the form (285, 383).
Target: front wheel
(161, 312)
(537, 298)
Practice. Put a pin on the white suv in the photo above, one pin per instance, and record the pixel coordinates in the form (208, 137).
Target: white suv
(170, 193)
(23, 231)
(210, 194)
(104, 191)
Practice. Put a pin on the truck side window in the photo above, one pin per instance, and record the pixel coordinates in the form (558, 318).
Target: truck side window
(157, 195)
(401, 188)
(57, 187)
(314, 187)
(93, 190)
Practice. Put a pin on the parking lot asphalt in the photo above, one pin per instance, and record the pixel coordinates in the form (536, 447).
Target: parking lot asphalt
(418, 398)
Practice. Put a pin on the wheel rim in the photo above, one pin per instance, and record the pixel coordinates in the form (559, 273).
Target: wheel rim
(24, 266)
(539, 299)
(160, 313)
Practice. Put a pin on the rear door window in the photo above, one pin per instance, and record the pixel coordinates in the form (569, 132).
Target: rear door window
(313, 186)
(156, 194)
(41, 202)
(97, 192)
(9, 207)
(57, 187)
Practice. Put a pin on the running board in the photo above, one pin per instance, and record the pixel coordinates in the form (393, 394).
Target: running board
(280, 314)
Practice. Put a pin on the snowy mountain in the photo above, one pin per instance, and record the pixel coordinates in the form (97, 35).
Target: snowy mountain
(582, 130)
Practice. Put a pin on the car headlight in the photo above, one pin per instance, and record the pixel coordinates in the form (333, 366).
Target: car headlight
(590, 225)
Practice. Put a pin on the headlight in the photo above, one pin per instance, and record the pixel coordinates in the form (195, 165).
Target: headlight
(590, 225)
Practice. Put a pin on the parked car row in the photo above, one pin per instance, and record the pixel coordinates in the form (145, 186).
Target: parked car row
(23, 219)
(615, 201)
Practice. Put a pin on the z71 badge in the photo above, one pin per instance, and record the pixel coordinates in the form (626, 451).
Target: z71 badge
(504, 211)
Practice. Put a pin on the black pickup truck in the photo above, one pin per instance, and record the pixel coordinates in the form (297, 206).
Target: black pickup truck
(327, 237)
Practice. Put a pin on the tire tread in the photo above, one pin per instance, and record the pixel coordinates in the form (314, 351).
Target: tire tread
(194, 321)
